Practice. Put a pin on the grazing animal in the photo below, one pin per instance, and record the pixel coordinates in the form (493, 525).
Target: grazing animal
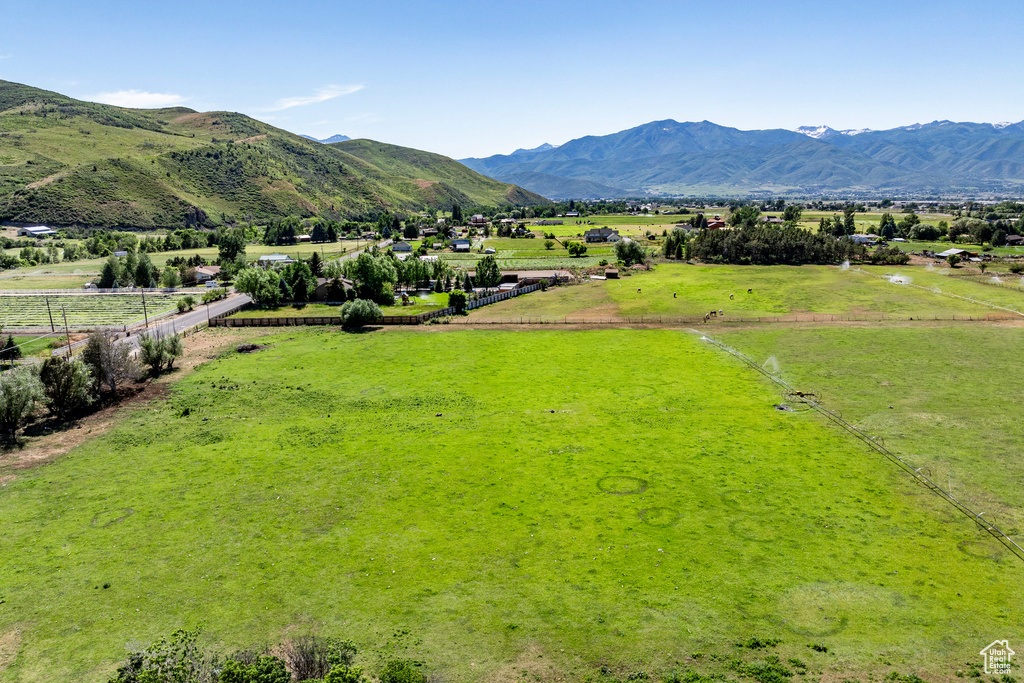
(731, 296)
(673, 295)
(720, 312)
(637, 290)
(750, 291)
(706, 316)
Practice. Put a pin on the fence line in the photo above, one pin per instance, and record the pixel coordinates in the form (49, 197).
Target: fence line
(876, 444)
(418, 319)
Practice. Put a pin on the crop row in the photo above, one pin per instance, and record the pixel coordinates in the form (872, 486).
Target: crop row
(91, 309)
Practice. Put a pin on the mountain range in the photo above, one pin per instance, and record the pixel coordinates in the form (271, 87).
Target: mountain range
(673, 158)
(327, 141)
(65, 161)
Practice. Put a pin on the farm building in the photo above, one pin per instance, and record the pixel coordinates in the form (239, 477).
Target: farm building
(402, 246)
(1014, 240)
(572, 214)
(323, 289)
(953, 252)
(716, 224)
(460, 245)
(205, 273)
(772, 220)
(37, 231)
(478, 220)
(611, 274)
(601, 235)
(303, 238)
(268, 260)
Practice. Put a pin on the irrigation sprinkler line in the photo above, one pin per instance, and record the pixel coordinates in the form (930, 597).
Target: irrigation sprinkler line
(936, 290)
(877, 444)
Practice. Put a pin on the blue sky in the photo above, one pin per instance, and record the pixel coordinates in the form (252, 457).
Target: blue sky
(479, 78)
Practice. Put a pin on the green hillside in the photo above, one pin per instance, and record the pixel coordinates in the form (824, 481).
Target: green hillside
(64, 161)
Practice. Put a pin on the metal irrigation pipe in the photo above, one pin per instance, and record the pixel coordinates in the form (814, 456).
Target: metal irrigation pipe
(873, 442)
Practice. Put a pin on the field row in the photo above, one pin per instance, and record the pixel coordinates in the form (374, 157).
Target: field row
(82, 310)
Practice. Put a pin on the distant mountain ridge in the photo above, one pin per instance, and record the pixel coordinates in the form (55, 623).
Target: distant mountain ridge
(64, 162)
(669, 157)
(328, 141)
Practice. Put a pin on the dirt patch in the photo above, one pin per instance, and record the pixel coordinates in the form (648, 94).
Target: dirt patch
(42, 182)
(424, 184)
(531, 665)
(254, 138)
(10, 642)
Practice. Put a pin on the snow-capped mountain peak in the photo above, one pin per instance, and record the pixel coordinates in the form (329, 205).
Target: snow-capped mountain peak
(821, 132)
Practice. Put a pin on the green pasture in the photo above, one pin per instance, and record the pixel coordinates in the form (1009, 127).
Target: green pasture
(503, 504)
(682, 290)
(44, 281)
(82, 310)
(938, 395)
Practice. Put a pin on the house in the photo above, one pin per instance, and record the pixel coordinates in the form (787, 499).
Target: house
(402, 246)
(120, 253)
(866, 240)
(324, 291)
(36, 231)
(205, 273)
(772, 220)
(716, 224)
(303, 238)
(460, 245)
(507, 221)
(477, 221)
(599, 235)
(951, 252)
(1014, 240)
(268, 260)
(572, 214)
(429, 232)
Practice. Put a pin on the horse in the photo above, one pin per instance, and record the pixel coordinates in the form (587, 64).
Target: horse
(731, 296)
(750, 291)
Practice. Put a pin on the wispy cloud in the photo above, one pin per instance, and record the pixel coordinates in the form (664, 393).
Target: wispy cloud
(6, 56)
(321, 95)
(138, 99)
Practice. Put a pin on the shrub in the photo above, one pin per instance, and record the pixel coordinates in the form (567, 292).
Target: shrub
(360, 312)
(158, 352)
(109, 362)
(402, 671)
(630, 252)
(19, 390)
(313, 657)
(66, 384)
(1017, 268)
(264, 669)
(457, 300)
(549, 244)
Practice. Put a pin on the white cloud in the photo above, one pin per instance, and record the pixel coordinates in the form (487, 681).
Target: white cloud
(138, 99)
(321, 95)
(6, 56)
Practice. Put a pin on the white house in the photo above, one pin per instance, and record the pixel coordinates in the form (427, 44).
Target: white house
(268, 260)
(461, 245)
(207, 273)
(37, 231)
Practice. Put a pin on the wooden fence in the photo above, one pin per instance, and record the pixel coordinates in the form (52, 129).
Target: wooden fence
(417, 319)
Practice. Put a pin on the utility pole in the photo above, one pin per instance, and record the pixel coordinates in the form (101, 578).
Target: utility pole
(50, 313)
(67, 332)
(144, 314)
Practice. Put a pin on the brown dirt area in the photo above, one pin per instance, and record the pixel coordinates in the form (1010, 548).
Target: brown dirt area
(33, 451)
(10, 642)
(254, 138)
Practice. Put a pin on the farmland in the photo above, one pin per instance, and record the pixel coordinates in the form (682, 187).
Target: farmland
(688, 291)
(82, 310)
(607, 515)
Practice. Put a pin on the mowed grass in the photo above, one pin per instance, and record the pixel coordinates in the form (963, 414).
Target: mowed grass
(688, 291)
(626, 511)
(417, 305)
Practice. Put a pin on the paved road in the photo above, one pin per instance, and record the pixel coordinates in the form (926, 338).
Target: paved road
(186, 321)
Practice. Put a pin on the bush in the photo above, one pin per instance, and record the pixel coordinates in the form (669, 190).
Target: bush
(186, 303)
(20, 388)
(313, 657)
(457, 300)
(402, 671)
(1017, 268)
(264, 669)
(66, 384)
(109, 362)
(360, 312)
(160, 352)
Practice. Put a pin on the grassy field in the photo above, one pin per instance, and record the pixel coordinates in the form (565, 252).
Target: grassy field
(625, 513)
(681, 290)
(938, 395)
(82, 310)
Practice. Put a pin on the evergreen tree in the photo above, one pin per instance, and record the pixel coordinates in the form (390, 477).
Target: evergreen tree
(456, 214)
(316, 264)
